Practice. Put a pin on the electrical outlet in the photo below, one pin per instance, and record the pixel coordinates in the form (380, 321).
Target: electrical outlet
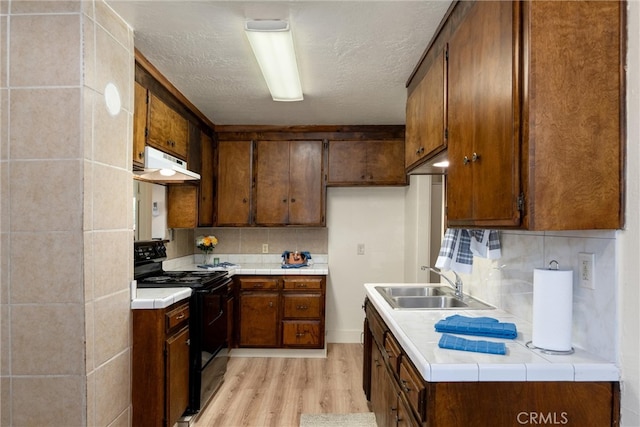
(265, 248)
(586, 266)
(360, 248)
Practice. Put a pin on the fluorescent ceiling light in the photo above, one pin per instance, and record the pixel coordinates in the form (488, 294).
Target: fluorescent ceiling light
(272, 45)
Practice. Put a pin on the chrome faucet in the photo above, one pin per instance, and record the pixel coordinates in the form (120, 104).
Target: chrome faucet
(457, 285)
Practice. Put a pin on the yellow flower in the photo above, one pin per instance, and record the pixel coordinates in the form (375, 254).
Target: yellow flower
(206, 243)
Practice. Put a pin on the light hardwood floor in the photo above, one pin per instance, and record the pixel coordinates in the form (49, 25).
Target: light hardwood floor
(261, 392)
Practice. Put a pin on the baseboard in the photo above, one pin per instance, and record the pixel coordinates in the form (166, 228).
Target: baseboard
(278, 352)
(345, 336)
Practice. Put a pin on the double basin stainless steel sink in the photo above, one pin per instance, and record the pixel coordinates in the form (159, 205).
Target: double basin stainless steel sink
(428, 297)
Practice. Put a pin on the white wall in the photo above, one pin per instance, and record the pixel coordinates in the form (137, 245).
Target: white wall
(375, 218)
(628, 247)
(417, 228)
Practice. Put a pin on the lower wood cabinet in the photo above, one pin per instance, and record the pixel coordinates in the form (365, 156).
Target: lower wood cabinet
(399, 396)
(280, 311)
(160, 365)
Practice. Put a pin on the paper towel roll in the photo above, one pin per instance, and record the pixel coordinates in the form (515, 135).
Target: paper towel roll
(552, 309)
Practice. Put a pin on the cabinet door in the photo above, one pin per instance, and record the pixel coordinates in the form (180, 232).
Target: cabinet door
(177, 376)
(168, 130)
(289, 186)
(301, 334)
(272, 182)
(306, 189)
(182, 205)
(234, 182)
(366, 162)
(483, 176)
(426, 118)
(383, 398)
(205, 208)
(259, 319)
(139, 123)
(385, 160)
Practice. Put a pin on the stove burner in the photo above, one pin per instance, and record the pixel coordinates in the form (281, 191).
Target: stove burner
(157, 279)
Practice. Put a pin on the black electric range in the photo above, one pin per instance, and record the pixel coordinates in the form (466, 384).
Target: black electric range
(149, 273)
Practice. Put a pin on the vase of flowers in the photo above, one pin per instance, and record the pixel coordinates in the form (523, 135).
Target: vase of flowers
(206, 245)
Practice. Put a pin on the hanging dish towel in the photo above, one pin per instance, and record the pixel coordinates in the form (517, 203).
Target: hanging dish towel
(460, 245)
(479, 346)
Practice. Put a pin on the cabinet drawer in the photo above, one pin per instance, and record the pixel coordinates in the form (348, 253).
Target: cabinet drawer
(258, 283)
(301, 334)
(413, 387)
(177, 316)
(392, 348)
(303, 283)
(302, 306)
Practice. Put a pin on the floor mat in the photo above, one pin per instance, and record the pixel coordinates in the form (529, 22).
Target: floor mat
(365, 419)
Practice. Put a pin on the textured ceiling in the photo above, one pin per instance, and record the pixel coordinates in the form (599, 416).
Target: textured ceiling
(354, 56)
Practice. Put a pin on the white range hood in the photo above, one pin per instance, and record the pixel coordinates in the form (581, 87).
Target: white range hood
(164, 168)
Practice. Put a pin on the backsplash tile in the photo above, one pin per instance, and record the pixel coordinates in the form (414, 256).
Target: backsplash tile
(508, 282)
(249, 240)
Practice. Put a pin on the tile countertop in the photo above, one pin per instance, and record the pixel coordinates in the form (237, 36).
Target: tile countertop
(155, 298)
(268, 264)
(414, 330)
(146, 298)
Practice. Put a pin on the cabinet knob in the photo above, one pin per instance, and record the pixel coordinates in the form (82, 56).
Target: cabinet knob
(465, 160)
(244, 200)
(188, 342)
(475, 157)
(270, 303)
(293, 200)
(284, 200)
(141, 155)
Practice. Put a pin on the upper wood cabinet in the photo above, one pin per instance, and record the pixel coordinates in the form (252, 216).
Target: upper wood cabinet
(205, 207)
(168, 130)
(182, 206)
(426, 113)
(366, 162)
(483, 183)
(533, 142)
(233, 204)
(289, 183)
(139, 123)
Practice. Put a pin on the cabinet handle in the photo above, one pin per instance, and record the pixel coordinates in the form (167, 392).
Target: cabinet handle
(301, 285)
(258, 285)
(300, 334)
(301, 307)
(180, 316)
(475, 157)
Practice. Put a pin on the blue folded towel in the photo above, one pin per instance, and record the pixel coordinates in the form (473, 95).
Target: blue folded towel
(479, 326)
(456, 343)
(293, 265)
